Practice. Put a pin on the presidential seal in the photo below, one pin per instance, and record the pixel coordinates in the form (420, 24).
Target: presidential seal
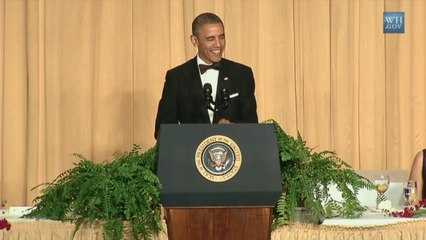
(218, 158)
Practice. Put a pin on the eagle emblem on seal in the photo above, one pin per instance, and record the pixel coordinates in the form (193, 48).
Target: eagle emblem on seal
(218, 158)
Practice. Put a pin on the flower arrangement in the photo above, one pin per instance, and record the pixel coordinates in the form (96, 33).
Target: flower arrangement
(412, 211)
(4, 224)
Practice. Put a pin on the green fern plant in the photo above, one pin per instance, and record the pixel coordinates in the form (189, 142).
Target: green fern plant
(306, 177)
(122, 195)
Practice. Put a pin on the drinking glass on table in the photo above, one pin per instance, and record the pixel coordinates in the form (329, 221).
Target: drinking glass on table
(382, 184)
(410, 190)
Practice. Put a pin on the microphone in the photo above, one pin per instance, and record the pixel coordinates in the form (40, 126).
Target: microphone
(207, 96)
(225, 98)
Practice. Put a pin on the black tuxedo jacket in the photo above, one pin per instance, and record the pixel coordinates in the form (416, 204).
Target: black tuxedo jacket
(182, 98)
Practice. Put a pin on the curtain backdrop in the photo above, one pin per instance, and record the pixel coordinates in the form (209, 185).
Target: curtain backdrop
(86, 76)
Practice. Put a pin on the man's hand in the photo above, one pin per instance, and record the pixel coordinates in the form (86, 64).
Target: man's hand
(224, 121)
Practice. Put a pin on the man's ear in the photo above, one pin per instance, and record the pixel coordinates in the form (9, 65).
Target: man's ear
(194, 40)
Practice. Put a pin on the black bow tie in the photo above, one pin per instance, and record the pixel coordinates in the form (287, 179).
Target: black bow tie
(204, 68)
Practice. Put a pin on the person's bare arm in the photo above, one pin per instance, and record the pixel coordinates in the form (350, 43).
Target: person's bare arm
(416, 174)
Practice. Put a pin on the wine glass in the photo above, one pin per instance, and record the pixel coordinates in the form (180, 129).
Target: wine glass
(410, 190)
(382, 185)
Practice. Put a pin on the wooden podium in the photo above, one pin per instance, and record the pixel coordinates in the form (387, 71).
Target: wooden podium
(218, 181)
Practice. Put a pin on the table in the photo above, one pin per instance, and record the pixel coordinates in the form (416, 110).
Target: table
(370, 218)
(413, 229)
(400, 231)
(370, 226)
(27, 229)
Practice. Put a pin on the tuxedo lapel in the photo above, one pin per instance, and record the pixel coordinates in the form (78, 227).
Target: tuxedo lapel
(222, 73)
(224, 81)
(193, 75)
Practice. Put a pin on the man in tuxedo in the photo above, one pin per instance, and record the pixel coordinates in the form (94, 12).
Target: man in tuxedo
(208, 88)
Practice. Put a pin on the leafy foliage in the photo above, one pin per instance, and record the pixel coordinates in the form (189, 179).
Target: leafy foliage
(122, 195)
(306, 178)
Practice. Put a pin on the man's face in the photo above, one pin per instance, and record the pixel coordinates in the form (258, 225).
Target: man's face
(210, 42)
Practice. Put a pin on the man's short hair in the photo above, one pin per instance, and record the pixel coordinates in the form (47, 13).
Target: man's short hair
(204, 18)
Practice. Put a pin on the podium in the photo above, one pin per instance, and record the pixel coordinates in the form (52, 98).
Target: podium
(219, 181)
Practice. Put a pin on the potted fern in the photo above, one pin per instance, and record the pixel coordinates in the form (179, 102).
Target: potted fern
(121, 195)
(306, 178)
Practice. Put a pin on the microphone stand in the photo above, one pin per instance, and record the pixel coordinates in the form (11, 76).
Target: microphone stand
(208, 99)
